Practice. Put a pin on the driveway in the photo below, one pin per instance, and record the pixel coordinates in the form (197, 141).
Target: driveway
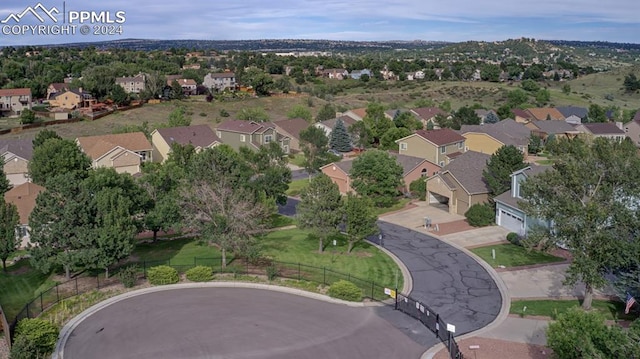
(299, 174)
(289, 208)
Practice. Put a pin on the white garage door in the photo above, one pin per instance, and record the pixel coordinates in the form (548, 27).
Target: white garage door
(511, 222)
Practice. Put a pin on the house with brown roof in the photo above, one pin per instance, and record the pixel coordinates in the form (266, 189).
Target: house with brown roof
(23, 196)
(292, 128)
(328, 125)
(251, 134)
(608, 130)
(199, 136)
(460, 184)
(357, 114)
(488, 138)
(123, 152)
(559, 129)
(189, 86)
(522, 116)
(436, 146)
(14, 101)
(220, 81)
(545, 113)
(338, 74)
(72, 99)
(17, 153)
(56, 87)
(428, 115)
(412, 169)
(632, 129)
(132, 84)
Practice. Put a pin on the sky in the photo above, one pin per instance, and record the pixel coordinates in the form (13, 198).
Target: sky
(359, 20)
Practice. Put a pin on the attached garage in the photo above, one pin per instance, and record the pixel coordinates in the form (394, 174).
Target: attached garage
(511, 222)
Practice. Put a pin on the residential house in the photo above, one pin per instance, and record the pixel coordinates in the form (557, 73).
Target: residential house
(199, 136)
(72, 99)
(559, 129)
(220, 81)
(251, 134)
(607, 130)
(573, 114)
(522, 116)
(292, 128)
(419, 75)
(14, 101)
(357, 74)
(188, 86)
(328, 125)
(437, 146)
(545, 113)
(428, 114)
(412, 169)
(460, 184)
(23, 196)
(56, 87)
(134, 84)
(508, 212)
(632, 129)
(488, 138)
(483, 114)
(16, 153)
(338, 74)
(123, 152)
(357, 114)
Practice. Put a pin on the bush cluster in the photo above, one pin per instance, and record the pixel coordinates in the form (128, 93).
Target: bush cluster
(514, 238)
(128, 276)
(200, 274)
(35, 338)
(345, 290)
(161, 275)
(480, 215)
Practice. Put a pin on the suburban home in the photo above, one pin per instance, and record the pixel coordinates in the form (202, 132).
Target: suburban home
(357, 74)
(250, 134)
(483, 114)
(328, 125)
(220, 81)
(338, 74)
(357, 114)
(188, 86)
(545, 113)
(199, 136)
(607, 130)
(632, 129)
(14, 101)
(436, 146)
(123, 152)
(135, 84)
(428, 114)
(522, 116)
(72, 99)
(573, 114)
(418, 75)
(508, 212)
(17, 153)
(412, 169)
(23, 196)
(292, 128)
(55, 88)
(460, 184)
(488, 138)
(559, 129)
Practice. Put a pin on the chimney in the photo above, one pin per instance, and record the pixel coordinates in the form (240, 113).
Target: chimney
(619, 125)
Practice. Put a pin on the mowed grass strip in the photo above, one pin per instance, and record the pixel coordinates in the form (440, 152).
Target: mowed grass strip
(20, 285)
(511, 255)
(295, 187)
(611, 310)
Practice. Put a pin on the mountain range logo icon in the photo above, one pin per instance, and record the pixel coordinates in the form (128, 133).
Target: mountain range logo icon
(39, 11)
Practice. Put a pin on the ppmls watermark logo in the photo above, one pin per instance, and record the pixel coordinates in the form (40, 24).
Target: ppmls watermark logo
(41, 20)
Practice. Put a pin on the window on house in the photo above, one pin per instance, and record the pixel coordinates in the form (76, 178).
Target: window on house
(460, 145)
(268, 138)
(143, 155)
(441, 163)
(443, 149)
(243, 138)
(423, 173)
(403, 146)
(218, 134)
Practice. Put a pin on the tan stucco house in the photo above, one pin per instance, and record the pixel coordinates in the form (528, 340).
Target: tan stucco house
(199, 136)
(123, 152)
(24, 196)
(488, 138)
(14, 101)
(132, 84)
(292, 128)
(71, 99)
(17, 153)
(436, 146)
(251, 134)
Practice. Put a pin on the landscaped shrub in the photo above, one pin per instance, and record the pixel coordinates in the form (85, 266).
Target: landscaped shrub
(418, 189)
(272, 272)
(200, 274)
(160, 275)
(345, 290)
(513, 238)
(35, 338)
(128, 276)
(480, 215)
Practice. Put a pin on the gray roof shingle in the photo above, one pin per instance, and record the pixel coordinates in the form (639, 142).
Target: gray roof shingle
(197, 135)
(467, 169)
(508, 131)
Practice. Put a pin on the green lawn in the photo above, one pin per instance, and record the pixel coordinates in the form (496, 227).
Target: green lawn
(546, 162)
(19, 285)
(278, 220)
(551, 308)
(511, 255)
(298, 159)
(296, 186)
(178, 251)
(399, 205)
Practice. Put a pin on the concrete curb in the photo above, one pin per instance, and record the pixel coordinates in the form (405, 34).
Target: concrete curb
(66, 331)
(504, 293)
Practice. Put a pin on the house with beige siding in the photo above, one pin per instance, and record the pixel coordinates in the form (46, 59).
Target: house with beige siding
(220, 81)
(292, 128)
(132, 84)
(428, 115)
(251, 134)
(123, 152)
(460, 184)
(328, 125)
(72, 99)
(488, 138)
(23, 196)
(413, 168)
(16, 153)
(14, 101)
(610, 130)
(436, 146)
(632, 129)
(199, 136)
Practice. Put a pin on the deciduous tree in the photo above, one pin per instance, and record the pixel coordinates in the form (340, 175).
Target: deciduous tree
(9, 241)
(300, 111)
(55, 157)
(315, 145)
(319, 209)
(500, 166)
(327, 112)
(359, 218)
(377, 175)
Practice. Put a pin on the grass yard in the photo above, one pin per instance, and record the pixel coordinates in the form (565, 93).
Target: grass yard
(178, 251)
(551, 308)
(298, 159)
(278, 220)
(19, 285)
(398, 206)
(511, 255)
(296, 186)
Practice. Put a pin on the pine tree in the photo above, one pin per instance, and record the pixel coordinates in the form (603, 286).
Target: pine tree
(340, 139)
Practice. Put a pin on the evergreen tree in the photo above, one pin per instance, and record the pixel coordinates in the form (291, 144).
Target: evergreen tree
(491, 118)
(340, 139)
(500, 167)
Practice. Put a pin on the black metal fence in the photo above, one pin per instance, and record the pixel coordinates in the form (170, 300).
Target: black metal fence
(243, 266)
